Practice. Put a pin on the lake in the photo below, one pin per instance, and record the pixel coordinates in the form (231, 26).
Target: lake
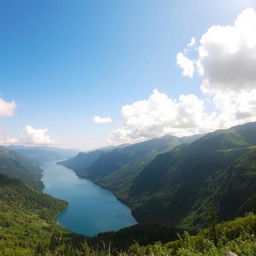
(91, 209)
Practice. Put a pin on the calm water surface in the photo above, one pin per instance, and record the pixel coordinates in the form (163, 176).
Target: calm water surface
(91, 209)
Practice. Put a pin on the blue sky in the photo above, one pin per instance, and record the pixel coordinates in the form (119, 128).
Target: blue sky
(64, 62)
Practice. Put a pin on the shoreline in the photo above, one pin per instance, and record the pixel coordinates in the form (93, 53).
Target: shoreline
(133, 221)
(100, 185)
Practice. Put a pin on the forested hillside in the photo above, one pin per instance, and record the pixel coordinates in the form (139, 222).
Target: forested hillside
(16, 165)
(180, 186)
(193, 185)
(117, 169)
(31, 230)
(26, 217)
(82, 161)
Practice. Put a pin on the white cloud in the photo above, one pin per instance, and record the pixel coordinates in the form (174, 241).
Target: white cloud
(7, 109)
(186, 64)
(6, 140)
(102, 120)
(226, 63)
(37, 136)
(160, 115)
(33, 136)
(227, 55)
(192, 42)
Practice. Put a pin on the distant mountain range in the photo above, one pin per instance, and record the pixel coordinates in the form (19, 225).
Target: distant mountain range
(24, 162)
(44, 154)
(177, 180)
(170, 183)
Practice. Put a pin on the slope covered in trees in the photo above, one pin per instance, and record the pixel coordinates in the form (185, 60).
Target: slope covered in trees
(31, 230)
(116, 169)
(26, 217)
(82, 161)
(16, 165)
(176, 187)
(180, 185)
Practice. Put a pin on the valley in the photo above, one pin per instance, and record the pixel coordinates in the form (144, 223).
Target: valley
(175, 187)
(128, 128)
(181, 185)
(91, 210)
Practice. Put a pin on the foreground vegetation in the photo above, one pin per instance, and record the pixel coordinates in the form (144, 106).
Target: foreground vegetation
(28, 228)
(26, 217)
(237, 236)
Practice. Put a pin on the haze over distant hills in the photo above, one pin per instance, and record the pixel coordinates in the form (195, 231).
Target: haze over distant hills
(44, 154)
(24, 162)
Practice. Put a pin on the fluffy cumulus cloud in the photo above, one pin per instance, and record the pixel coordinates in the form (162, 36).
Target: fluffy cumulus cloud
(225, 60)
(227, 56)
(7, 109)
(37, 136)
(102, 120)
(192, 42)
(186, 64)
(160, 115)
(226, 63)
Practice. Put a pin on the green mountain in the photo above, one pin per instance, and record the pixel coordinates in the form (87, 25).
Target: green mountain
(16, 165)
(26, 217)
(116, 159)
(180, 185)
(30, 230)
(101, 162)
(116, 169)
(82, 161)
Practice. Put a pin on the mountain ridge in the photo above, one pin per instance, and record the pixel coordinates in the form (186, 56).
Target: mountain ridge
(16, 165)
(170, 186)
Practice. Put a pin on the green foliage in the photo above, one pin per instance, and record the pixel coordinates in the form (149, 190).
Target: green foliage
(26, 217)
(15, 165)
(237, 236)
(82, 161)
(210, 180)
(24, 232)
(180, 185)
(142, 233)
(101, 163)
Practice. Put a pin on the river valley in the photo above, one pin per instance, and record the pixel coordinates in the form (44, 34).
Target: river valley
(91, 209)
